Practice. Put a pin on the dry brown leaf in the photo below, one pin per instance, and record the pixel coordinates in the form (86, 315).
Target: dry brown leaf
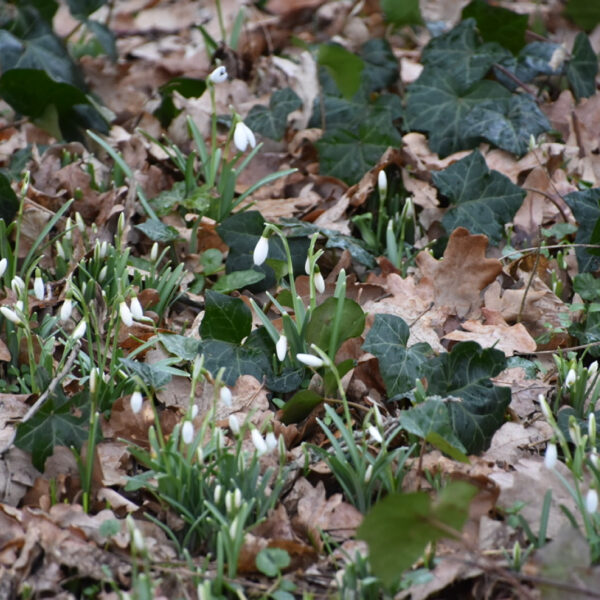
(495, 332)
(458, 278)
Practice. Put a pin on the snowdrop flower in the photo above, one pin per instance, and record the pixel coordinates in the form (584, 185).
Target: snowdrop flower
(225, 395)
(243, 136)
(66, 309)
(19, 306)
(237, 498)
(233, 528)
(234, 424)
(551, 456)
(187, 432)
(271, 441)
(261, 250)
(409, 209)
(228, 501)
(137, 539)
(218, 75)
(368, 473)
(310, 360)
(135, 307)
(3, 265)
(38, 288)
(319, 281)
(79, 330)
(592, 369)
(69, 229)
(571, 378)
(60, 251)
(194, 412)
(217, 493)
(592, 428)
(594, 458)
(136, 402)
(374, 433)
(125, 314)
(307, 266)
(591, 501)
(93, 380)
(103, 249)
(103, 273)
(281, 348)
(382, 183)
(259, 442)
(544, 406)
(11, 315)
(154, 252)
(17, 285)
(79, 222)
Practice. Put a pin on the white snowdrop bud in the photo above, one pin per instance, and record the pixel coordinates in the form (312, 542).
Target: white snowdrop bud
(259, 442)
(11, 315)
(103, 250)
(271, 441)
(69, 229)
(38, 288)
(592, 428)
(319, 281)
(17, 285)
(591, 501)
(368, 473)
(237, 498)
(19, 306)
(571, 378)
(310, 360)
(225, 395)
(125, 314)
(218, 75)
(234, 424)
(103, 273)
(307, 266)
(233, 528)
(281, 348)
(544, 406)
(136, 402)
(243, 136)
(93, 380)
(375, 435)
(135, 306)
(261, 250)
(382, 183)
(592, 369)
(187, 432)
(217, 493)
(229, 501)
(79, 222)
(551, 456)
(194, 412)
(79, 331)
(3, 265)
(154, 252)
(138, 540)
(66, 309)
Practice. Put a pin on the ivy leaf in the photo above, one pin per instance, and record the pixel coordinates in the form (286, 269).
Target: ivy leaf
(182, 346)
(9, 203)
(381, 66)
(498, 24)
(399, 366)
(237, 280)
(157, 231)
(225, 318)
(406, 12)
(460, 54)
(105, 37)
(81, 9)
(484, 199)
(154, 376)
(188, 87)
(509, 124)
(272, 122)
(55, 424)
(582, 68)
(237, 360)
(464, 373)
(437, 103)
(400, 526)
(586, 209)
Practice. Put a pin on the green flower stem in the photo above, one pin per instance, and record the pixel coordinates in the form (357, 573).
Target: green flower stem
(340, 294)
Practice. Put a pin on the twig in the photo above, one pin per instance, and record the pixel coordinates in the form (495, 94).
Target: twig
(515, 79)
(568, 349)
(551, 247)
(530, 280)
(549, 197)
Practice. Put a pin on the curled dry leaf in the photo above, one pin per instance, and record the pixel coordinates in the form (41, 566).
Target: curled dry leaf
(464, 271)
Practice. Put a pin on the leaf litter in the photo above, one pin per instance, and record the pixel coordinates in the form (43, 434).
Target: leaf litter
(470, 293)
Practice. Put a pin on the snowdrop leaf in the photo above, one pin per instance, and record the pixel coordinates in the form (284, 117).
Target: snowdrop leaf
(343, 66)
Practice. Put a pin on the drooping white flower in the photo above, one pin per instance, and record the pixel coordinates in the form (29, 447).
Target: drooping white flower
(103, 273)
(187, 432)
(319, 281)
(93, 380)
(38, 288)
(592, 369)
(11, 315)
(571, 378)
(375, 434)
(307, 266)
(217, 493)
(3, 265)
(125, 314)
(135, 306)
(551, 456)
(544, 406)
(137, 539)
(225, 395)
(281, 348)
(66, 309)
(591, 501)
(218, 75)
(79, 222)
(79, 331)
(368, 473)
(310, 360)
(154, 252)
(271, 441)
(259, 442)
(17, 285)
(234, 424)
(243, 136)
(228, 501)
(382, 183)
(261, 250)
(237, 498)
(194, 411)
(136, 402)
(60, 251)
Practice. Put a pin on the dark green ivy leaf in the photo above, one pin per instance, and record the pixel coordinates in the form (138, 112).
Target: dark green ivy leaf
(227, 319)
(399, 366)
(381, 66)
(154, 376)
(586, 209)
(157, 231)
(272, 122)
(484, 200)
(584, 13)
(81, 9)
(582, 68)
(9, 203)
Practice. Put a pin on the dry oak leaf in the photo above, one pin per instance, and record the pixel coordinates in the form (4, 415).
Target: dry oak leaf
(461, 274)
(495, 332)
